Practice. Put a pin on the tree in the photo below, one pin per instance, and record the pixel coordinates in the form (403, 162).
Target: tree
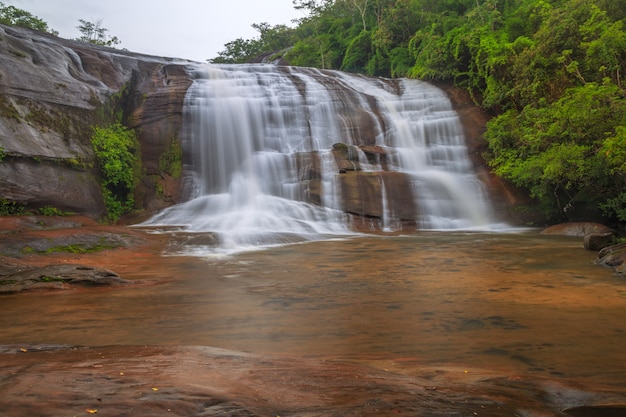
(565, 152)
(94, 33)
(10, 15)
(271, 39)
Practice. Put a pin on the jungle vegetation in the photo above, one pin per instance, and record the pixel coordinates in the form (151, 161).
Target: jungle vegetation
(551, 72)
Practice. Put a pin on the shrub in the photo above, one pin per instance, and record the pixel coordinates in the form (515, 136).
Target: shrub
(10, 208)
(117, 153)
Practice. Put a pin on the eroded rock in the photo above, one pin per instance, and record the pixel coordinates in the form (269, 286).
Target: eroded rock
(577, 229)
(362, 194)
(58, 277)
(53, 90)
(190, 381)
(612, 256)
(598, 241)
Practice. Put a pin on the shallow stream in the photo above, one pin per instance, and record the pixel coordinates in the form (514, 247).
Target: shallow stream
(521, 303)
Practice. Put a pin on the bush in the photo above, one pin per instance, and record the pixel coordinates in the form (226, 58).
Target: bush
(10, 208)
(117, 153)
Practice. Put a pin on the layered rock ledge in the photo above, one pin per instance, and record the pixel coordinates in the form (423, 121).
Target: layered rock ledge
(62, 253)
(191, 381)
(53, 90)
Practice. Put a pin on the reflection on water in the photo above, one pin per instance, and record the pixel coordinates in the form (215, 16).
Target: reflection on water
(515, 302)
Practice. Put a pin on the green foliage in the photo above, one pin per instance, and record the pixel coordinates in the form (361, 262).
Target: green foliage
(171, 161)
(3, 154)
(53, 211)
(10, 208)
(271, 39)
(117, 152)
(10, 15)
(357, 53)
(94, 33)
(566, 151)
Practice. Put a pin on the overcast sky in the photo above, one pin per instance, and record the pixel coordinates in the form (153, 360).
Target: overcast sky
(188, 29)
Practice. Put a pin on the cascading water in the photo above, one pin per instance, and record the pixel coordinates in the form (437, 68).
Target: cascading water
(261, 142)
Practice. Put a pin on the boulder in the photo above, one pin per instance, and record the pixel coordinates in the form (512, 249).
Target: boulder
(612, 256)
(597, 241)
(362, 194)
(577, 229)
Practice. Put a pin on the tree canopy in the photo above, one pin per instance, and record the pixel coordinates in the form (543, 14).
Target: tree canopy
(11, 15)
(95, 33)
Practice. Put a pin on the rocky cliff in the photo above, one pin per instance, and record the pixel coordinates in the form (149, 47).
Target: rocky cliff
(53, 91)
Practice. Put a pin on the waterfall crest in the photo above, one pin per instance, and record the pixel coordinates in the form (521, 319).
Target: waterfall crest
(281, 154)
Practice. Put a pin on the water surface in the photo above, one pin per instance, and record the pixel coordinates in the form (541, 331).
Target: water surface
(520, 302)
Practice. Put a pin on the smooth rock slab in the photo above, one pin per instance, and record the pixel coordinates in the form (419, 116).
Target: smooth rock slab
(577, 229)
(57, 277)
(192, 381)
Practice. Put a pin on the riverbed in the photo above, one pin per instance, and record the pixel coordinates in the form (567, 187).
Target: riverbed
(518, 303)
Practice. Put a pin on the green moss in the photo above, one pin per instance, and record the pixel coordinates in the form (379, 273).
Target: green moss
(7, 110)
(46, 278)
(53, 211)
(171, 161)
(27, 249)
(52, 119)
(17, 53)
(80, 248)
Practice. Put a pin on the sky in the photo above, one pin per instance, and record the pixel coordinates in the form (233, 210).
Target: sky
(189, 29)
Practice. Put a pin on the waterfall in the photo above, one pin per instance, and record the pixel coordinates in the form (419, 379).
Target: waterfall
(263, 156)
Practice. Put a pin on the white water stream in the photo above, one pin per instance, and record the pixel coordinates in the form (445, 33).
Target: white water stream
(248, 128)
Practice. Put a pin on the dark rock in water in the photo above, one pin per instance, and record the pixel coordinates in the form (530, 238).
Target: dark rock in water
(613, 410)
(598, 241)
(612, 256)
(56, 277)
(362, 194)
(577, 229)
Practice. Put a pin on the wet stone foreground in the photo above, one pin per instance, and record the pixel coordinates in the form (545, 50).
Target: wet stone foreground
(201, 381)
(424, 325)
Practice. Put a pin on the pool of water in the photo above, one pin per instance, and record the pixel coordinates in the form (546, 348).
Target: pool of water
(515, 302)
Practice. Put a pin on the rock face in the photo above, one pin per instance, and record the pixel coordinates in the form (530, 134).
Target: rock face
(52, 91)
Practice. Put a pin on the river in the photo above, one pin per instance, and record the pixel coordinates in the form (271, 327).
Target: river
(521, 303)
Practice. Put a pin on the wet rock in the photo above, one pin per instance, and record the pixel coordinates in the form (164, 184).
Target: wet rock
(577, 229)
(613, 410)
(612, 256)
(362, 194)
(597, 241)
(190, 381)
(79, 242)
(53, 90)
(346, 157)
(58, 277)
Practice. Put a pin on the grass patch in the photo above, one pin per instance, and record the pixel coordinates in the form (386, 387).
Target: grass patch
(46, 278)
